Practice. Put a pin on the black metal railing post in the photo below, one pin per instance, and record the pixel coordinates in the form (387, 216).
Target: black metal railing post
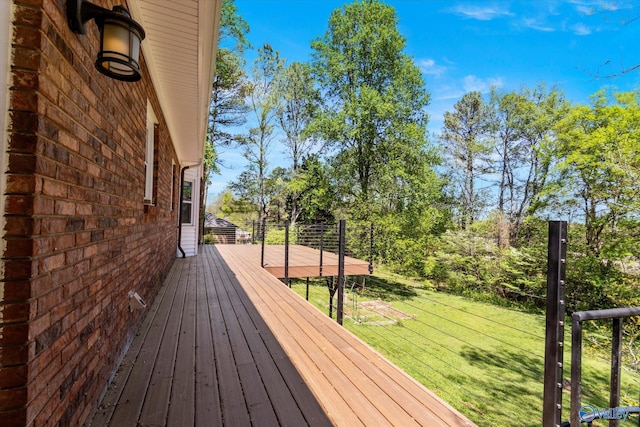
(576, 370)
(554, 341)
(616, 365)
(341, 249)
(264, 224)
(371, 249)
(321, 246)
(286, 253)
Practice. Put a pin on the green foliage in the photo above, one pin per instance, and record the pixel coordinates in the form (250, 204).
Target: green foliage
(227, 109)
(298, 102)
(315, 193)
(467, 148)
(262, 100)
(598, 166)
(374, 106)
(275, 236)
(522, 125)
(468, 263)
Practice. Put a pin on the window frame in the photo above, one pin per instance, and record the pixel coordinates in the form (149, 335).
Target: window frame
(149, 156)
(188, 202)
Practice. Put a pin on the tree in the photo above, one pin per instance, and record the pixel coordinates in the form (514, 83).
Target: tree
(374, 105)
(314, 192)
(522, 128)
(227, 108)
(299, 101)
(467, 150)
(598, 169)
(277, 190)
(263, 104)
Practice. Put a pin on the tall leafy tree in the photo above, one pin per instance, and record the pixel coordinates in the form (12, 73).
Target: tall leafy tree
(374, 114)
(598, 170)
(467, 149)
(314, 190)
(263, 104)
(298, 102)
(227, 109)
(522, 125)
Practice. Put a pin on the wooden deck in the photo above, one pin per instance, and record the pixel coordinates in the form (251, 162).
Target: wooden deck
(226, 343)
(304, 261)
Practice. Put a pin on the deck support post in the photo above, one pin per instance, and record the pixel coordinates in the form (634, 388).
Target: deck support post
(341, 250)
(616, 365)
(264, 224)
(286, 253)
(321, 245)
(554, 341)
(370, 250)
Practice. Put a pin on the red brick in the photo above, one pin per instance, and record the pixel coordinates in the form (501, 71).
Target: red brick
(26, 58)
(16, 312)
(13, 334)
(13, 376)
(16, 269)
(17, 290)
(21, 184)
(50, 263)
(24, 101)
(14, 355)
(19, 205)
(18, 248)
(53, 225)
(27, 16)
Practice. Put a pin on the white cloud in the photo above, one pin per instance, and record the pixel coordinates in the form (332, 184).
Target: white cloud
(581, 29)
(473, 83)
(470, 83)
(429, 66)
(481, 13)
(535, 25)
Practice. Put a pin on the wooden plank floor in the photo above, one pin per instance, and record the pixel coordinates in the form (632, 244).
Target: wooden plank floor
(226, 343)
(305, 261)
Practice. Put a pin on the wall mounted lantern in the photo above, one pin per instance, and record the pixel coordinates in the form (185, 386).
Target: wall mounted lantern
(120, 38)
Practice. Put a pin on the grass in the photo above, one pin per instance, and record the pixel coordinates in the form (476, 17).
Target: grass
(484, 360)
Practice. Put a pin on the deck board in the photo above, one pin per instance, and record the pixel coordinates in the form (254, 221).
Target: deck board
(226, 343)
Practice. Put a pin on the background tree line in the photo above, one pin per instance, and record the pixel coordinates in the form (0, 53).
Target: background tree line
(466, 211)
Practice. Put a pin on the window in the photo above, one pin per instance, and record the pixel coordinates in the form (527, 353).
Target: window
(152, 128)
(187, 203)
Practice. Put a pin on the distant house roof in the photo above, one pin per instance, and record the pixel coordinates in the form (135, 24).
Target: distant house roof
(210, 221)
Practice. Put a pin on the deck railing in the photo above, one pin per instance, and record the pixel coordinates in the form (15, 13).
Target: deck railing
(355, 240)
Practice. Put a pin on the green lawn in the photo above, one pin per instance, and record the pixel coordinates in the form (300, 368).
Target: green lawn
(486, 361)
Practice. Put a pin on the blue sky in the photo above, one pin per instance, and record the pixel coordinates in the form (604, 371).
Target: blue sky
(464, 46)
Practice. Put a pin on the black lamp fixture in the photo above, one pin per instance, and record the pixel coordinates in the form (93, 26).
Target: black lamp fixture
(120, 38)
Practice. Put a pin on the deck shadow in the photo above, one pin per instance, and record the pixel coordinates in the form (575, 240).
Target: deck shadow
(204, 356)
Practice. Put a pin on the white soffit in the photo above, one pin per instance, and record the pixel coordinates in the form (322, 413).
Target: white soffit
(179, 49)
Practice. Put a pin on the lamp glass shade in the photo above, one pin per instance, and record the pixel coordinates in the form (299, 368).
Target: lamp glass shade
(119, 47)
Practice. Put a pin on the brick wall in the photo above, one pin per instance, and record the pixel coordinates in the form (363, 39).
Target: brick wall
(78, 236)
